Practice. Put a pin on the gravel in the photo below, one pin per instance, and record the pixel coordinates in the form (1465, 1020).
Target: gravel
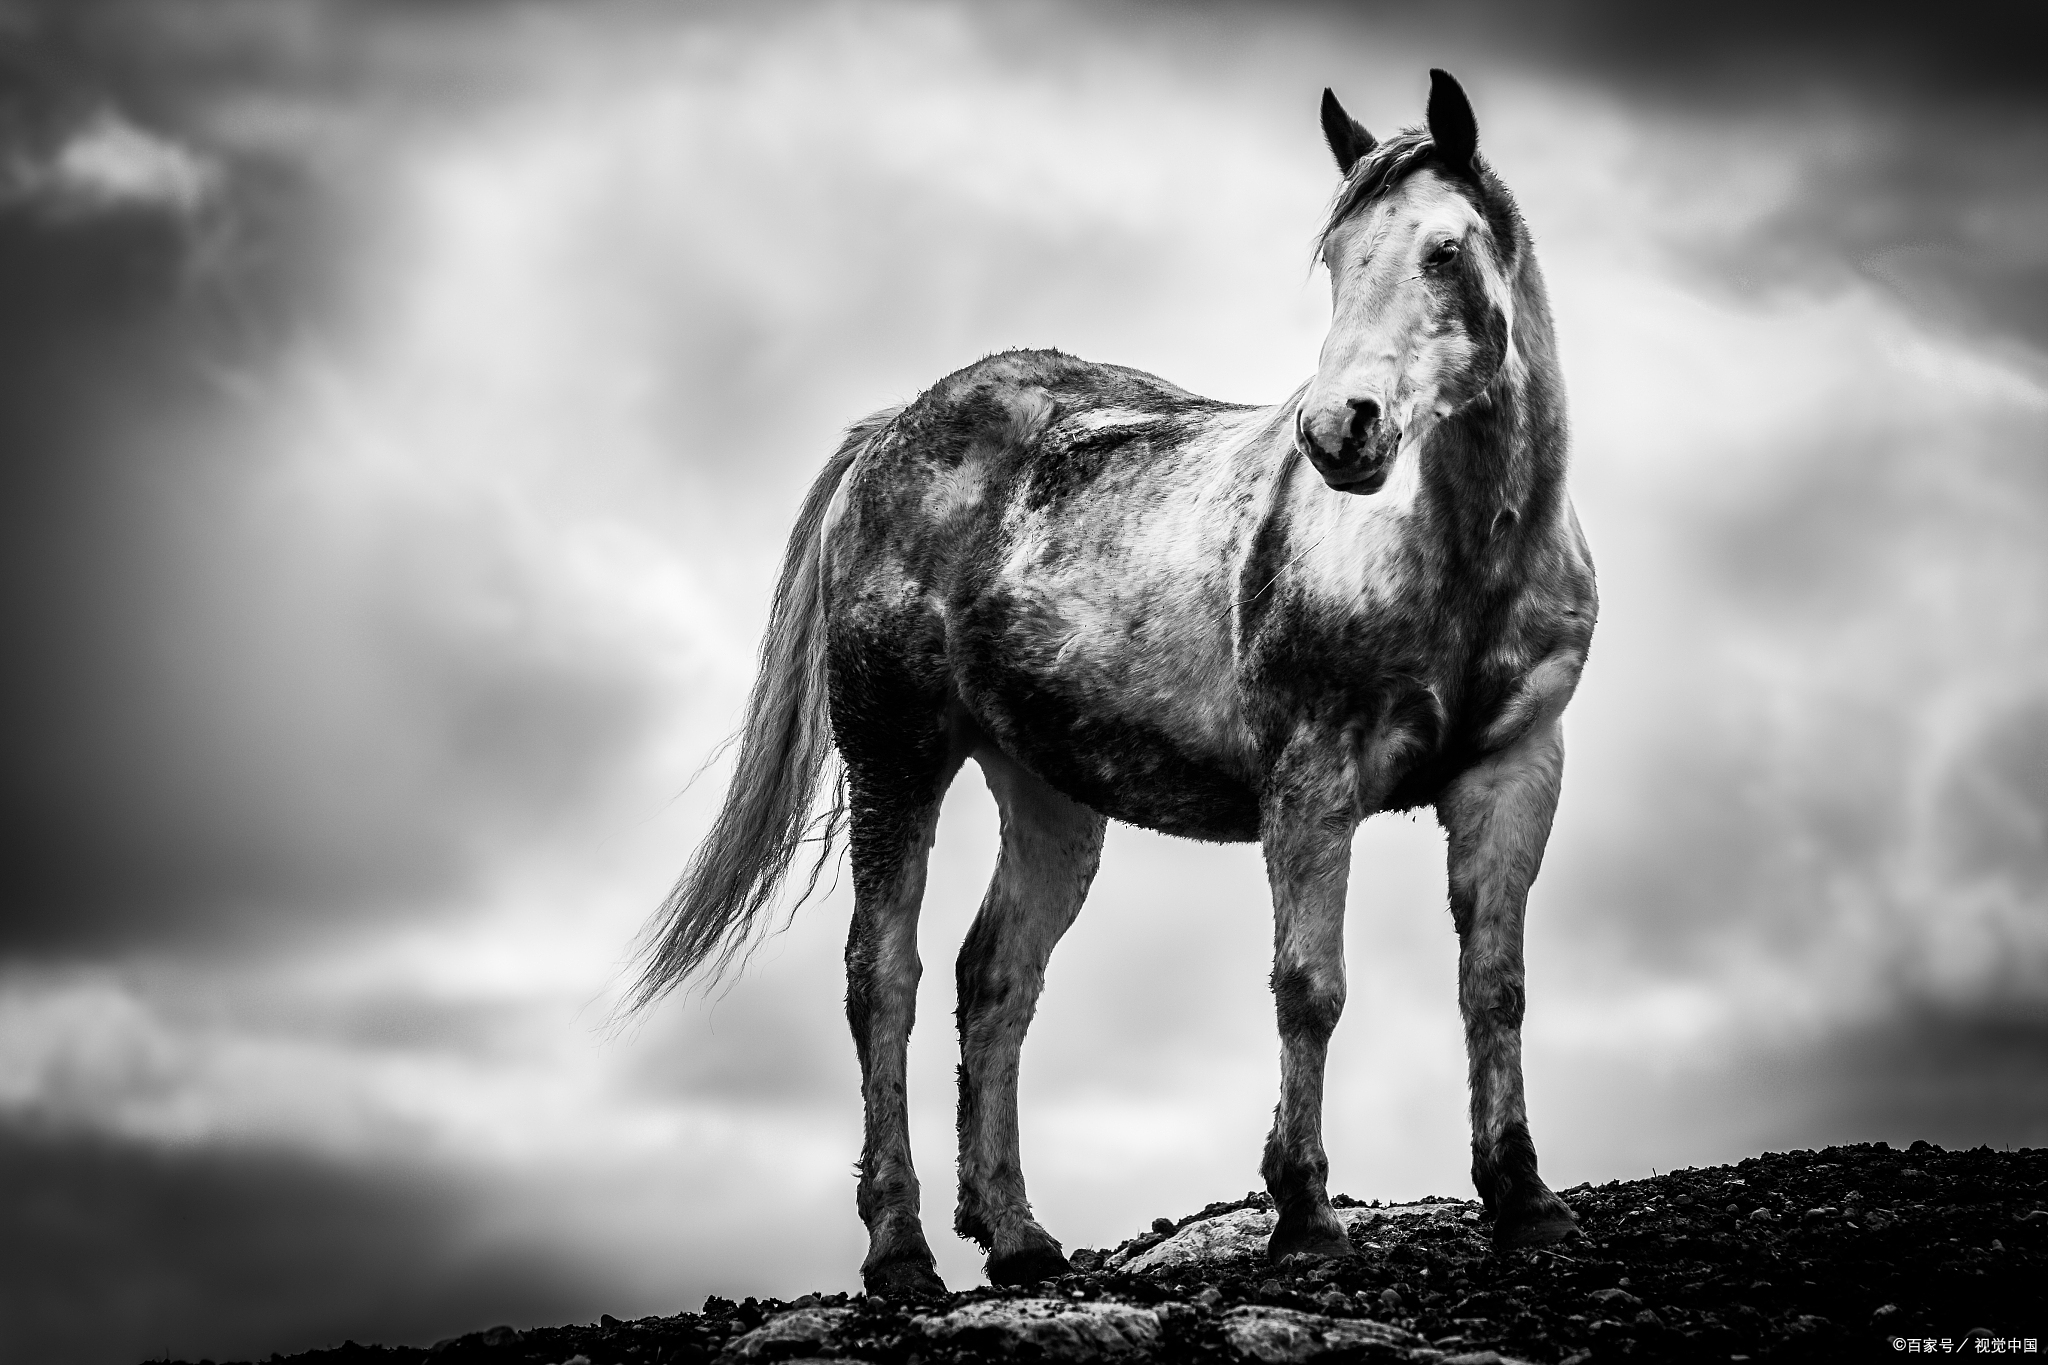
(1845, 1254)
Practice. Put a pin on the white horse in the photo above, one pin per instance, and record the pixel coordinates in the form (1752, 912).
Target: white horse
(1128, 602)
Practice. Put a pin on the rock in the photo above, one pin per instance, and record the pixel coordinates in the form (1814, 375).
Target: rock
(1209, 1297)
(1390, 1299)
(796, 1333)
(1763, 1216)
(502, 1335)
(1241, 1234)
(1283, 1336)
(1617, 1299)
(1162, 1225)
(1046, 1329)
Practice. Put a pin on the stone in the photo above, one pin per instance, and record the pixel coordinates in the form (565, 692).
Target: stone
(1242, 1234)
(1047, 1329)
(1616, 1299)
(796, 1333)
(1286, 1336)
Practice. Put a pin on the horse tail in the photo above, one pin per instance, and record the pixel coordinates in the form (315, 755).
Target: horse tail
(784, 744)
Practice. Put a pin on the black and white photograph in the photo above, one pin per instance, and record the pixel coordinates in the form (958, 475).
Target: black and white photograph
(906, 681)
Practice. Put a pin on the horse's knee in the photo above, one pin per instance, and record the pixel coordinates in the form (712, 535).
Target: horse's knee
(1493, 998)
(1309, 1002)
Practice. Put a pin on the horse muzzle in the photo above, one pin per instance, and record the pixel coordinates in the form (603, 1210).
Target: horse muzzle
(1354, 457)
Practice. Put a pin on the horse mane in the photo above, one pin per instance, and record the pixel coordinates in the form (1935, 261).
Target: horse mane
(1382, 170)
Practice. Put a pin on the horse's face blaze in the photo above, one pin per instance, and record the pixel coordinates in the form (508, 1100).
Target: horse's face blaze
(1421, 315)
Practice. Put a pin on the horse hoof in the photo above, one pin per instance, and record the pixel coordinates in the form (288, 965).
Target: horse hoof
(1540, 1227)
(904, 1280)
(1325, 1240)
(1027, 1265)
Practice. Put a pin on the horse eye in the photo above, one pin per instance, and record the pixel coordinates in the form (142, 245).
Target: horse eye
(1443, 253)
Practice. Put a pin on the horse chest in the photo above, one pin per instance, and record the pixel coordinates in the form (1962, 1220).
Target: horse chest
(1428, 672)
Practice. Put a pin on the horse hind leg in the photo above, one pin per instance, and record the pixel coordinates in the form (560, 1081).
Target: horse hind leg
(892, 822)
(1498, 818)
(1051, 847)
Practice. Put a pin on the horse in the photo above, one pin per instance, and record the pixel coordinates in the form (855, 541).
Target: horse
(1230, 623)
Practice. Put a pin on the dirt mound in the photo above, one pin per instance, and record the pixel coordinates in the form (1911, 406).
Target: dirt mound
(1845, 1254)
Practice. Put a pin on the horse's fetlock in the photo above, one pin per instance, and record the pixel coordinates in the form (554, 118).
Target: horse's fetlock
(1294, 1177)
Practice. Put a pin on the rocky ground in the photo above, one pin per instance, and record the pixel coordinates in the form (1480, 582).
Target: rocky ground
(1852, 1253)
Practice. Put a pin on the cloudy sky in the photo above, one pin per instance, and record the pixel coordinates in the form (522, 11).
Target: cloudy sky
(401, 411)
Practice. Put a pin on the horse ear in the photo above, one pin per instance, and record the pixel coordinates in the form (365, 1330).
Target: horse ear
(1451, 125)
(1346, 135)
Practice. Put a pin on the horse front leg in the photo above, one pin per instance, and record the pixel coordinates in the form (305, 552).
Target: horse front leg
(1051, 847)
(1307, 839)
(1498, 817)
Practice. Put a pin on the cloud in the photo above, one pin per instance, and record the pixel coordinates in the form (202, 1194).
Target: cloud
(107, 165)
(283, 646)
(115, 1251)
(1918, 199)
(382, 559)
(1959, 1075)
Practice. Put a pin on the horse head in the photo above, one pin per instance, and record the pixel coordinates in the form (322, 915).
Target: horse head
(1422, 245)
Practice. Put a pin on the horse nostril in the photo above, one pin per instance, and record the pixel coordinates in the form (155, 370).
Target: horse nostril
(1364, 412)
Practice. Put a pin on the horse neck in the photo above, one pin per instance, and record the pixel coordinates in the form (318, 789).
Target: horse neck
(1493, 479)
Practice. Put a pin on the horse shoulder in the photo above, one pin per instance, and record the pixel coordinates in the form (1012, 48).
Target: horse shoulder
(1548, 634)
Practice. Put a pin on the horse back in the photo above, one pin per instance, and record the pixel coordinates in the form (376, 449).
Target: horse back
(1053, 548)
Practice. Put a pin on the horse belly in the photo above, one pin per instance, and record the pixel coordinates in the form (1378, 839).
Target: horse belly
(1100, 657)
(1142, 770)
